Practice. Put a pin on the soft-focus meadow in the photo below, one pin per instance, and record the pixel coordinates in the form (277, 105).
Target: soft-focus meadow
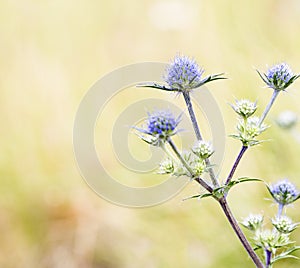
(51, 52)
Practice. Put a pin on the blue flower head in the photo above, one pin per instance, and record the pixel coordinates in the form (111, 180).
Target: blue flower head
(279, 76)
(183, 74)
(284, 192)
(160, 125)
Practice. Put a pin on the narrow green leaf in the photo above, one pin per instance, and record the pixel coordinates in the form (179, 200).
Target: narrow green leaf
(199, 196)
(286, 254)
(155, 85)
(264, 79)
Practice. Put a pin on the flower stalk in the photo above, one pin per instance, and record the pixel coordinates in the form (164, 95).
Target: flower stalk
(189, 105)
(270, 104)
(186, 165)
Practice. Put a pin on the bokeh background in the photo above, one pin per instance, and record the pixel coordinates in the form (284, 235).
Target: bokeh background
(51, 53)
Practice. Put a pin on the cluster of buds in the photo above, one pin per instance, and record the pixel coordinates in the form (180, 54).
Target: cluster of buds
(284, 224)
(167, 166)
(272, 241)
(248, 127)
(244, 108)
(172, 167)
(203, 149)
(253, 222)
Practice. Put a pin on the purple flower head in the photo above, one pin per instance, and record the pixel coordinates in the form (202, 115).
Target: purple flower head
(279, 76)
(183, 73)
(280, 72)
(284, 192)
(160, 125)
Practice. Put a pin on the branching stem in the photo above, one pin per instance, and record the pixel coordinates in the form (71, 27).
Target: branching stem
(236, 163)
(239, 233)
(189, 105)
(199, 180)
(244, 148)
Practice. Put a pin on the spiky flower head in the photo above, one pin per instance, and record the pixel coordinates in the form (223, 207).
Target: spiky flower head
(284, 192)
(203, 149)
(253, 222)
(199, 167)
(279, 76)
(270, 240)
(248, 130)
(160, 125)
(244, 108)
(183, 74)
(287, 119)
(284, 224)
(166, 167)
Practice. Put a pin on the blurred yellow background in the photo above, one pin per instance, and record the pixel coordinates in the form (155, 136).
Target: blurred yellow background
(52, 51)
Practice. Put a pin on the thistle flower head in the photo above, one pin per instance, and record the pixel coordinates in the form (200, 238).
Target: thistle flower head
(248, 130)
(253, 222)
(280, 72)
(284, 224)
(279, 76)
(203, 149)
(270, 240)
(160, 125)
(199, 167)
(287, 119)
(244, 108)
(254, 128)
(183, 74)
(166, 167)
(284, 192)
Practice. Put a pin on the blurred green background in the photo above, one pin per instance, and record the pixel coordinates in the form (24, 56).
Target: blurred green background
(52, 51)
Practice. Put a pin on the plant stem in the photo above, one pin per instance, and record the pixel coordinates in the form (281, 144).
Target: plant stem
(280, 208)
(268, 258)
(266, 111)
(189, 105)
(244, 148)
(236, 163)
(199, 180)
(239, 233)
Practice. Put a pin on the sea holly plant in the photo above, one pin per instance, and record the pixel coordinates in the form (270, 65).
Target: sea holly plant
(183, 75)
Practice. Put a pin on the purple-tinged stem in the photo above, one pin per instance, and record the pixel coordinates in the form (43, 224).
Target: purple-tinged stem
(236, 163)
(199, 180)
(239, 233)
(189, 105)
